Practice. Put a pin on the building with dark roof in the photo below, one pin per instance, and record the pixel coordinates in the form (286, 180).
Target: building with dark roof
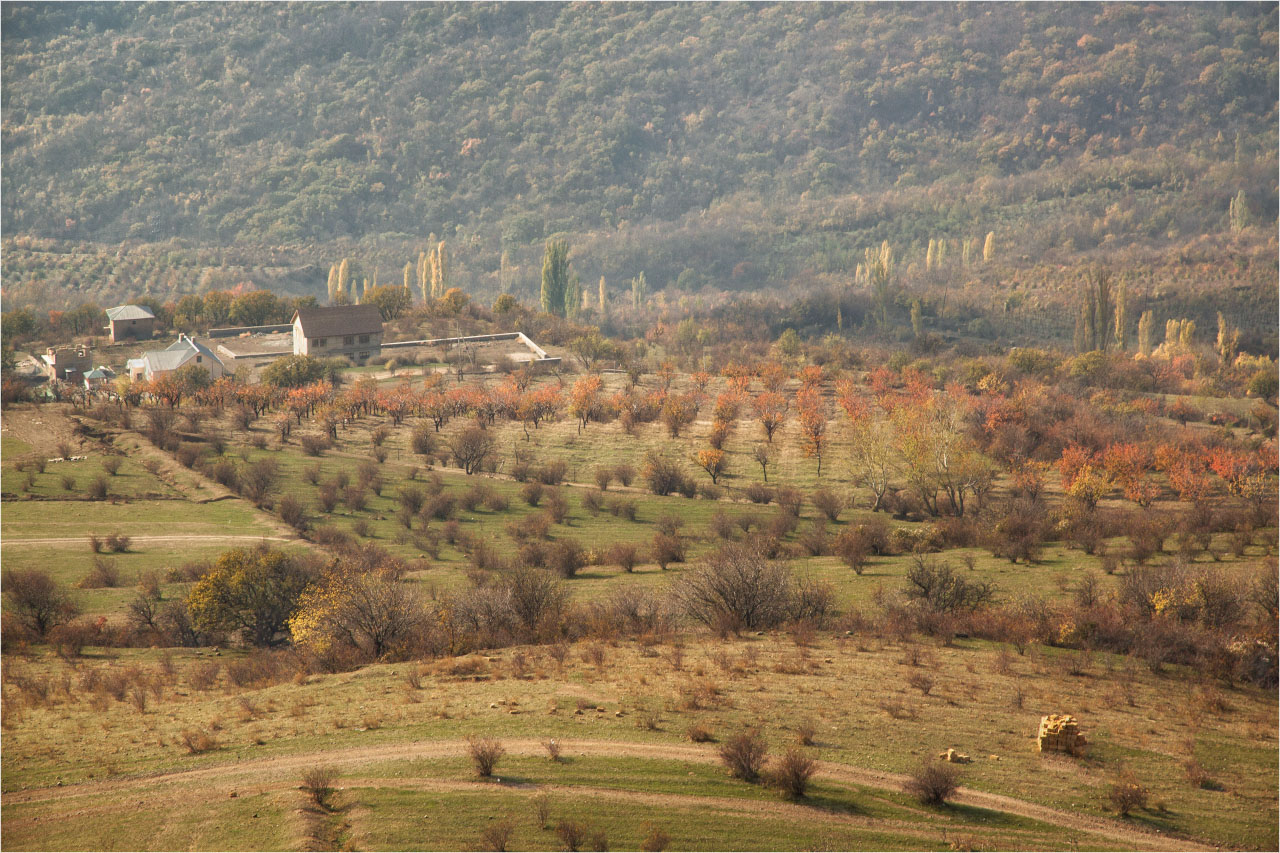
(130, 321)
(353, 332)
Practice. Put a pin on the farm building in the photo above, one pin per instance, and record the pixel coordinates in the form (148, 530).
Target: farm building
(351, 331)
(130, 321)
(180, 353)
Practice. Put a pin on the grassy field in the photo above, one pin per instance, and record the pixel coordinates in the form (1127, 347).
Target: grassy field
(392, 742)
(98, 747)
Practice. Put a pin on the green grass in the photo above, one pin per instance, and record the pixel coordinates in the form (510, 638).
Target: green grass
(68, 562)
(250, 821)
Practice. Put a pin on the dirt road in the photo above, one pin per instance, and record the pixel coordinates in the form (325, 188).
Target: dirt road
(284, 771)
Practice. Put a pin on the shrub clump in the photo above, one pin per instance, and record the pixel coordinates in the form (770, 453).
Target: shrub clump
(933, 783)
(485, 752)
(744, 754)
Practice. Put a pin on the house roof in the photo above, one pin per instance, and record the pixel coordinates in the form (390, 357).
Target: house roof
(338, 320)
(99, 373)
(130, 312)
(176, 354)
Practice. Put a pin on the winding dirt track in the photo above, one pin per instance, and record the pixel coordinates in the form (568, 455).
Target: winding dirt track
(284, 771)
(80, 540)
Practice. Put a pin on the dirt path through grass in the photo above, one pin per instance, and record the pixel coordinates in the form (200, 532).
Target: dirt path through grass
(80, 540)
(286, 769)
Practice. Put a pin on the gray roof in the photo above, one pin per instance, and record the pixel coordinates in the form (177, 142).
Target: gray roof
(130, 312)
(338, 320)
(176, 354)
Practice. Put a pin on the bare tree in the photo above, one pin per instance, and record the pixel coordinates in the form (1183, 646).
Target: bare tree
(471, 447)
(39, 602)
(737, 589)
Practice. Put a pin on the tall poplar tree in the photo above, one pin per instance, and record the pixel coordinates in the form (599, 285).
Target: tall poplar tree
(342, 293)
(555, 275)
(333, 281)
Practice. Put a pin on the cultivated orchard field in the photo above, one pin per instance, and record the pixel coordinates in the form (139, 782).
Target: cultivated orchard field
(314, 611)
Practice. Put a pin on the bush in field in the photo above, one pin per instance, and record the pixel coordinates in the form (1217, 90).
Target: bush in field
(736, 589)
(1127, 794)
(422, 441)
(552, 474)
(667, 549)
(567, 557)
(111, 464)
(571, 834)
(497, 835)
(814, 539)
(318, 781)
(624, 474)
(37, 601)
(532, 493)
(939, 588)
(852, 548)
(293, 513)
(411, 498)
(622, 508)
(197, 741)
(603, 476)
(744, 754)
(471, 447)
(440, 507)
(104, 574)
(932, 783)
(793, 772)
(557, 506)
(828, 503)
(485, 752)
(790, 500)
(664, 476)
(315, 445)
(758, 493)
(97, 488)
(625, 555)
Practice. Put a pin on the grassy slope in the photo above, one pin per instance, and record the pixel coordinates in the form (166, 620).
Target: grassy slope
(370, 724)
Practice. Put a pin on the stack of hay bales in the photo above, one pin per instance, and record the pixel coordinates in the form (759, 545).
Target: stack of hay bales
(1061, 733)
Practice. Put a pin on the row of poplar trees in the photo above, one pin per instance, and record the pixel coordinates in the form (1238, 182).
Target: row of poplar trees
(430, 273)
(562, 292)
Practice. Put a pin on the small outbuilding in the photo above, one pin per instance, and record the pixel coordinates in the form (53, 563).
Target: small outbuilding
(130, 322)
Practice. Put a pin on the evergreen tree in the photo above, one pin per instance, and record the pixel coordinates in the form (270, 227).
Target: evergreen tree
(333, 281)
(555, 275)
(989, 247)
(408, 277)
(603, 298)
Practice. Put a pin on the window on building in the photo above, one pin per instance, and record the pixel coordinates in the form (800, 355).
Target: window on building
(319, 342)
(348, 340)
(363, 356)
(364, 339)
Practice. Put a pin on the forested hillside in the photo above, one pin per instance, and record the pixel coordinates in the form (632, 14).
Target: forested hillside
(713, 147)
